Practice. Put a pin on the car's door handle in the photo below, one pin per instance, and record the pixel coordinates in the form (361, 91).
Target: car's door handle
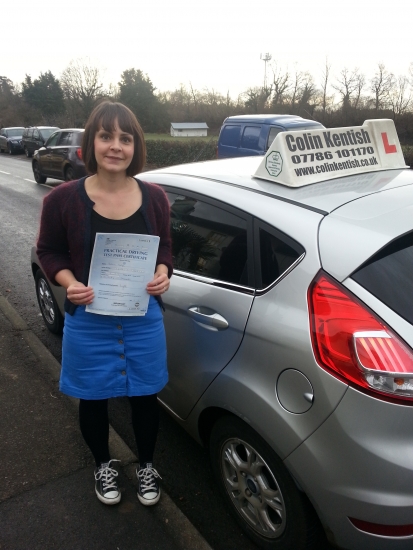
(208, 317)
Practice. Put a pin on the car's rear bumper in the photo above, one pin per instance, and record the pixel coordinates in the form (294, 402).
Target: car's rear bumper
(359, 464)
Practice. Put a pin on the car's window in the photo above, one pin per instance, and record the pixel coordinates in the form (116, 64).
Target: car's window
(51, 142)
(230, 135)
(277, 253)
(30, 133)
(46, 132)
(208, 240)
(36, 134)
(15, 132)
(65, 138)
(250, 137)
(77, 138)
(388, 276)
(273, 133)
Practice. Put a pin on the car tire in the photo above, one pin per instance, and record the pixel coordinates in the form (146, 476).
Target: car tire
(38, 176)
(259, 490)
(47, 304)
(69, 174)
(27, 153)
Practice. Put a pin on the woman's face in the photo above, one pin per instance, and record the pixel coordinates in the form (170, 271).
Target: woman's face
(113, 150)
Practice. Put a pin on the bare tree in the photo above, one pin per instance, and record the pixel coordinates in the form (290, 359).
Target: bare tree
(360, 81)
(280, 86)
(307, 94)
(400, 97)
(295, 88)
(347, 84)
(82, 87)
(324, 87)
(256, 98)
(381, 85)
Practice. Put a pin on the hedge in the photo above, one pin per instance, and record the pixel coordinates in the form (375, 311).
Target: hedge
(167, 153)
(408, 154)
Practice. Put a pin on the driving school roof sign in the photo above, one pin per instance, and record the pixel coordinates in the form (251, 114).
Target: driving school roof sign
(304, 157)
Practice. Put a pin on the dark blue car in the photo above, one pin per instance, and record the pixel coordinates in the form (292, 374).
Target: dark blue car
(11, 140)
(250, 135)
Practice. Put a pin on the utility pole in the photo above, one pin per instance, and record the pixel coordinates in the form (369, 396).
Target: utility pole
(265, 57)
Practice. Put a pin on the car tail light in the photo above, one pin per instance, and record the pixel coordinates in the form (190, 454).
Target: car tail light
(351, 342)
(79, 153)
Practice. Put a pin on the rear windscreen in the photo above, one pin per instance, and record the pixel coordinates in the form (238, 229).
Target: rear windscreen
(388, 275)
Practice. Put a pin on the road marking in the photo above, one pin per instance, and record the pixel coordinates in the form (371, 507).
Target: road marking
(1, 172)
(31, 181)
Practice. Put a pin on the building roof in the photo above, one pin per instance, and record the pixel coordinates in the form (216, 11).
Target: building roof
(189, 125)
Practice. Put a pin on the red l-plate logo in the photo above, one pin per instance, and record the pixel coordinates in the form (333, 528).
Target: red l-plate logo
(387, 147)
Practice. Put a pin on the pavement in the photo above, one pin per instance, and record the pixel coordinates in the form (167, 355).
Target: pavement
(47, 496)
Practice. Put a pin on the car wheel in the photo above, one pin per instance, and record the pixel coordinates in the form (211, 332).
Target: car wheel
(27, 153)
(259, 489)
(47, 303)
(38, 176)
(69, 174)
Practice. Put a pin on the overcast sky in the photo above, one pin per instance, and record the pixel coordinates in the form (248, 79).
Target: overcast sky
(214, 44)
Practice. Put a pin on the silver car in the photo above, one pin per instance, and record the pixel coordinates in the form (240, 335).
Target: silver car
(289, 325)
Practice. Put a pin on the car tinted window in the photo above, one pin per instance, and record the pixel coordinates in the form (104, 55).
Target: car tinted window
(230, 135)
(46, 132)
(271, 136)
(53, 139)
(65, 138)
(15, 132)
(388, 276)
(277, 253)
(208, 240)
(36, 134)
(250, 137)
(77, 138)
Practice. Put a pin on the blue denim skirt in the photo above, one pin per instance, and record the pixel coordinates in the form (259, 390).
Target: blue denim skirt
(108, 356)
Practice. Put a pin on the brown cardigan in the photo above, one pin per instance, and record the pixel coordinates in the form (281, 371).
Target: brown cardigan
(65, 229)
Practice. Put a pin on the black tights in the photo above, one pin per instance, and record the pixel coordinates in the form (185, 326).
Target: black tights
(94, 425)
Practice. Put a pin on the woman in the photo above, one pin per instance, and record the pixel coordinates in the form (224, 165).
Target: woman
(103, 355)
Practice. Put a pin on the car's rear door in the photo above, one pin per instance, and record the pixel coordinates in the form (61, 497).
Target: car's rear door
(210, 297)
(60, 154)
(45, 155)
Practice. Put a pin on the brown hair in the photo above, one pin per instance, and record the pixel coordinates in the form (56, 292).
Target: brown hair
(104, 116)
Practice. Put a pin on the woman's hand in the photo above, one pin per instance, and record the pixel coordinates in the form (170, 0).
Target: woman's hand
(80, 294)
(160, 283)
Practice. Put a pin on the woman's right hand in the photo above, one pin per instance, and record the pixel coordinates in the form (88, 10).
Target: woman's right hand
(79, 294)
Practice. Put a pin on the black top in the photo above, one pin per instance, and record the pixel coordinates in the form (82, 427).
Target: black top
(134, 224)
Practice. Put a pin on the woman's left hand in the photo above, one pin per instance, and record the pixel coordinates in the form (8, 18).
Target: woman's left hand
(159, 284)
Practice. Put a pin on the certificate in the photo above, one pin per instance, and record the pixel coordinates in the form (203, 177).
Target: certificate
(122, 265)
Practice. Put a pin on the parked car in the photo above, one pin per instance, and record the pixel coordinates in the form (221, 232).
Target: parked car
(289, 324)
(10, 140)
(35, 137)
(248, 135)
(61, 157)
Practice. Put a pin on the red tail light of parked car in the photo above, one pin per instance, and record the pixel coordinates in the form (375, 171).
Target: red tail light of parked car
(355, 345)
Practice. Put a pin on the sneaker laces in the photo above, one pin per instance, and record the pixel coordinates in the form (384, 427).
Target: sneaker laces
(107, 475)
(147, 478)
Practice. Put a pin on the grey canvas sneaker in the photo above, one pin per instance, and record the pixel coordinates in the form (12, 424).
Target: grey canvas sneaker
(149, 491)
(106, 485)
